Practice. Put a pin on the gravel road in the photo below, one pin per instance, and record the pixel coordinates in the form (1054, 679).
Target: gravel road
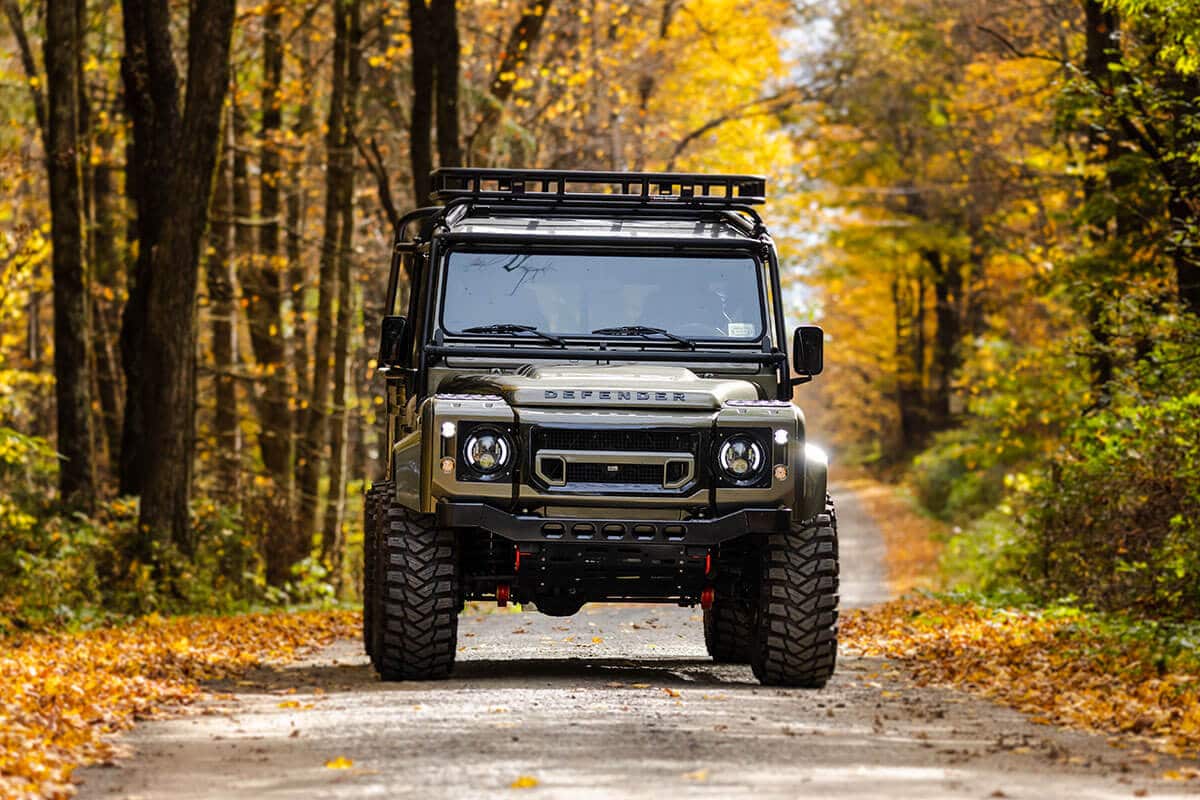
(618, 701)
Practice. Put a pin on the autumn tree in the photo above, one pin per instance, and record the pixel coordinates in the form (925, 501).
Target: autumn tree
(60, 120)
(335, 252)
(433, 36)
(63, 51)
(173, 185)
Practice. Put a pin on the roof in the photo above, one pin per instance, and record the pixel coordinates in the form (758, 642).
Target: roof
(564, 225)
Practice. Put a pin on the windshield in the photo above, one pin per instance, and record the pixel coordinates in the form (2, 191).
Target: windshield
(715, 297)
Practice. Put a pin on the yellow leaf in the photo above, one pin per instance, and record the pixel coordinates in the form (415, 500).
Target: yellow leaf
(341, 762)
(524, 782)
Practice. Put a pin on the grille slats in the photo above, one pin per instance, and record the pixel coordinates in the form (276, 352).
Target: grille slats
(624, 473)
(625, 440)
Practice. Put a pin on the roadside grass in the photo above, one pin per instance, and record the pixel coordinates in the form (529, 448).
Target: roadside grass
(63, 693)
(1135, 680)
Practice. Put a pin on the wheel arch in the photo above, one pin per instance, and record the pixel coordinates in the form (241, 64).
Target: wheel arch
(814, 488)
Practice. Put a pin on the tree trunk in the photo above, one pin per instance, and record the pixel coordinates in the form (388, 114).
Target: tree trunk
(333, 540)
(223, 319)
(152, 102)
(262, 277)
(444, 22)
(177, 171)
(909, 355)
(424, 58)
(1100, 29)
(947, 292)
(106, 268)
(297, 268)
(63, 43)
(338, 210)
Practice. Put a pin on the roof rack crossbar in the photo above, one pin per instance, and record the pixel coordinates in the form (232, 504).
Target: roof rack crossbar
(565, 186)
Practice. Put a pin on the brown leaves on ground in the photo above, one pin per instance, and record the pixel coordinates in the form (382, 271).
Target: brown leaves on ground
(61, 693)
(1060, 667)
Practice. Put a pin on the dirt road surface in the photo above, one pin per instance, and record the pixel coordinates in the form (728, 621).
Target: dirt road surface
(618, 701)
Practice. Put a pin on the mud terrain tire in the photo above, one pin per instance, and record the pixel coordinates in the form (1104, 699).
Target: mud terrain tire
(374, 509)
(795, 638)
(729, 632)
(418, 627)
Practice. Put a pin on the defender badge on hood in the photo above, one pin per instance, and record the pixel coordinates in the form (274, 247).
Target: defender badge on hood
(615, 394)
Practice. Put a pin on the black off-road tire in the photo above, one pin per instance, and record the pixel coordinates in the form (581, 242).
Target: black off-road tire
(729, 632)
(417, 630)
(374, 508)
(795, 638)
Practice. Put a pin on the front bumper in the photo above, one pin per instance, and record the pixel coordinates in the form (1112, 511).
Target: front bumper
(530, 528)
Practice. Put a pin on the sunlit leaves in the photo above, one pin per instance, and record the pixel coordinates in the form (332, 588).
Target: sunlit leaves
(1059, 666)
(62, 694)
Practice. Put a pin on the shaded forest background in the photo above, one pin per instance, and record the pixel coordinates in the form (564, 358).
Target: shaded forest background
(991, 207)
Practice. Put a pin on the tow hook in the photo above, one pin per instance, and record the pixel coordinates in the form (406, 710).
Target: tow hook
(502, 594)
(706, 598)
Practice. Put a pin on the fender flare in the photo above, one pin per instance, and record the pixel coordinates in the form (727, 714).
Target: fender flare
(406, 471)
(815, 486)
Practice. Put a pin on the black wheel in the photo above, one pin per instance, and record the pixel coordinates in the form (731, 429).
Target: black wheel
(374, 507)
(417, 628)
(729, 632)
(795, 637)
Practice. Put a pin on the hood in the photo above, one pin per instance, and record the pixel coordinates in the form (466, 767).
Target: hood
(620, 386)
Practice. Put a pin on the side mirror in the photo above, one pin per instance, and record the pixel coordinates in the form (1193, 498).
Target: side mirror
(808, 351)
(392, 337)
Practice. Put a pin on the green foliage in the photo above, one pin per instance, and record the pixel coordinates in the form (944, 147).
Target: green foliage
(959, 476)
(73, 569)
(986, 557)
(1017, 397)
(1115, 520)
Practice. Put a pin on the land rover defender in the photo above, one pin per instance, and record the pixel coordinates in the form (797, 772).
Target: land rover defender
(588, 399)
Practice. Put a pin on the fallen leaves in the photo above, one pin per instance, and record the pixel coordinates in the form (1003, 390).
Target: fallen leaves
(524, 782)
(1055, 667)
(341, 762)
(62, 693)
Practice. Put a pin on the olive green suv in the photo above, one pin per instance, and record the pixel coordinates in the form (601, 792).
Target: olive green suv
(588, 397)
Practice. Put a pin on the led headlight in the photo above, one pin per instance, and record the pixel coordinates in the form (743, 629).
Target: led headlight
(487, 450)
(742, 459)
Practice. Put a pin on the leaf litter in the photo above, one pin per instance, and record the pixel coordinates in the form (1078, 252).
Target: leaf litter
(62, 694)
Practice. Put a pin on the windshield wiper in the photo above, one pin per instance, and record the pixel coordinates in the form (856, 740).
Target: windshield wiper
(646, 332)
(511, 327)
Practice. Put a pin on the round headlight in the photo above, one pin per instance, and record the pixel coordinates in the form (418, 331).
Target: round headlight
(487, 450)
(741, 458)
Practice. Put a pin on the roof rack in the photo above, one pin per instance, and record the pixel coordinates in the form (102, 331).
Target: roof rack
(650, 188)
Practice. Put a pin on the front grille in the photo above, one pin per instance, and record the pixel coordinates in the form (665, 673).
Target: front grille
(650, 441)
(630, 460)
(615, 473)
